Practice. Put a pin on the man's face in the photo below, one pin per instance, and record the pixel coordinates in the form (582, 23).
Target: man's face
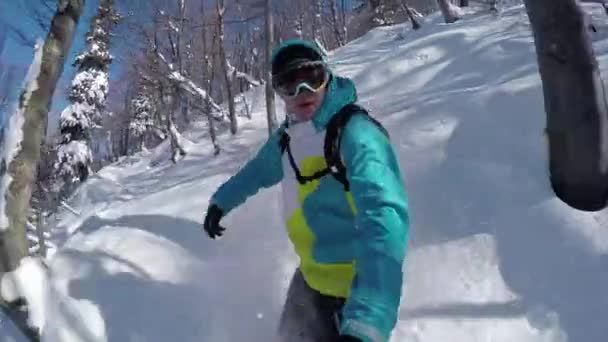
(308, 82)
(305, 104)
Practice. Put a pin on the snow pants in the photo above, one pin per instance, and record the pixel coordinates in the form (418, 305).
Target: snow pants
(309, 316)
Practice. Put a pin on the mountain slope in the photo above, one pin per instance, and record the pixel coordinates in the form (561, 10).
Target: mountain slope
(494, 256)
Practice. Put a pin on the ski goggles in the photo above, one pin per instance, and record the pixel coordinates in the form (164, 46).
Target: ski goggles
(312, 77)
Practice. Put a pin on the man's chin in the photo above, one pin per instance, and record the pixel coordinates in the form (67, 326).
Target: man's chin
(305, 115)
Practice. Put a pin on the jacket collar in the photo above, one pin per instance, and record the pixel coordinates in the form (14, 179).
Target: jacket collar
(340, 92)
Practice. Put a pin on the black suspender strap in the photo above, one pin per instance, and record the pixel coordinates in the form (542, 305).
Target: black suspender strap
(284, 143)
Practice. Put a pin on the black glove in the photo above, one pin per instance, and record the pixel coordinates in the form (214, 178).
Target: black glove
(212, 221)
(346, 338)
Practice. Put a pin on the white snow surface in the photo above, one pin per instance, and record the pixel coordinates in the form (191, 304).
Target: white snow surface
(494, 255)
(11, 138)
(29, 281)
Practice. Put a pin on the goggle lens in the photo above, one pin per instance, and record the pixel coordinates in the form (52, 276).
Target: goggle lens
(312, 77)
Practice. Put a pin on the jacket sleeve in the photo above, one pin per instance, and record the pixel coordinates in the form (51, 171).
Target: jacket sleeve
(262, 171)
(382, 223)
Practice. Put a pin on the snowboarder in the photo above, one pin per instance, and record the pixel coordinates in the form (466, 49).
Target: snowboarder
(344, 200)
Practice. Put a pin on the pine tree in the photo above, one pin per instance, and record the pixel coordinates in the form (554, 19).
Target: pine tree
(142, 108)
(80, 120)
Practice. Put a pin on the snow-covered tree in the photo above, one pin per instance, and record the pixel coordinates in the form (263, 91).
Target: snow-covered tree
(80, 122)
(142, 108)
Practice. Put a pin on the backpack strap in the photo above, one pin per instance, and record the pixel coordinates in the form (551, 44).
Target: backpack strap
(284, 146)
(331, 146)
(333, 136)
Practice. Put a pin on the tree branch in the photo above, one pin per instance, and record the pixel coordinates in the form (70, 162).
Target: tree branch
(187, 84)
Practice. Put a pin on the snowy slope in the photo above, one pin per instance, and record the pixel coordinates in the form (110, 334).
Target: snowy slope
(494, 256)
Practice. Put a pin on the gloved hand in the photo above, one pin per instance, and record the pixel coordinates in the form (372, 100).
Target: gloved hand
(346, 338)
(212, 221)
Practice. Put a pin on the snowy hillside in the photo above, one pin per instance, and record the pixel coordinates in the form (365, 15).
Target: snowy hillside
(494, 256)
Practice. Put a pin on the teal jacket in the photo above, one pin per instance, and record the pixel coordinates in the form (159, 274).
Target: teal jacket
(370, 239)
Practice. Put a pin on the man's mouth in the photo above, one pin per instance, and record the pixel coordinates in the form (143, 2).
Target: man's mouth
(306, 104)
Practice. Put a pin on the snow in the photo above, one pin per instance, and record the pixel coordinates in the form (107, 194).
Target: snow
(30, 281)
(13, 131)
(493, 256)
(76, 114)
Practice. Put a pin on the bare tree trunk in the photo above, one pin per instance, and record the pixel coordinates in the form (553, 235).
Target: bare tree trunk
(317, 21)
(410, 15)
(247, 108)
(208, 76)
(226, 72)
(447, 9)
(575, 103)
(210, 121)
(19, 172)
(344, 21)
(40, 234)
(179, 59)
(184, 100)
(336, 23)
(125, 134)
(177, 147)
(170, 103)
(270, 108)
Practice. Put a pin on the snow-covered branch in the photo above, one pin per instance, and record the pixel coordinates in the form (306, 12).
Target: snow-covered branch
(173, 26)
(239, 74)
(70, 209)
(187, 84)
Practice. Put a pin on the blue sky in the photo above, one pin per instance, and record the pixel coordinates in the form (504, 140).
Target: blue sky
(11, 12)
